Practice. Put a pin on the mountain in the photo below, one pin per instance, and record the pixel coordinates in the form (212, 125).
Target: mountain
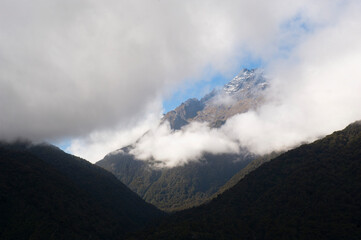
(194, 183)
(46, 193)
(311, 192)
(242, 93)
(179, 187)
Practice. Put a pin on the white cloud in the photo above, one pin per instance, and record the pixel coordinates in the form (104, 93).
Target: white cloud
(90, 69)
(99, 143)
(174, 148)
(313, 93)
(68, 68)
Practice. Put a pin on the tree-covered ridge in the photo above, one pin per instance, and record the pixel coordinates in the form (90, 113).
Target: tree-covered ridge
(253, 165)
(48, 194)
(311, 192)
(37, 202)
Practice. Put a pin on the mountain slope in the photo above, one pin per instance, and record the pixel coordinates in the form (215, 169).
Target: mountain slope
(253, 165)
(36, 202)
(311, 192)
(53, 188)
(101, 184)
(179, 187)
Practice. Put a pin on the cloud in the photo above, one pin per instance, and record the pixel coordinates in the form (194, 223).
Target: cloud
(99, 143)
(68, 68)
(313, 92)
(91, 70)
(174, 148)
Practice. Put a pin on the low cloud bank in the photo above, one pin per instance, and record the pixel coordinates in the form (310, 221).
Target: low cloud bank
(174, 148)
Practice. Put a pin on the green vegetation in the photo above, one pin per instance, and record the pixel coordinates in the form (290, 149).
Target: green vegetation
(311, 192)
(172, 189)
(48, 194)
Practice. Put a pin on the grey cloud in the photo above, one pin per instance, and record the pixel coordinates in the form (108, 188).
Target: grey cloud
(93, 69)
(313, 92)
(72, 67)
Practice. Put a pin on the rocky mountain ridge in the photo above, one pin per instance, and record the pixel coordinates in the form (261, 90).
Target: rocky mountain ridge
(244, 92)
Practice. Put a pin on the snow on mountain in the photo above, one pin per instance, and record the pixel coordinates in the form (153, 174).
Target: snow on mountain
(246, 82)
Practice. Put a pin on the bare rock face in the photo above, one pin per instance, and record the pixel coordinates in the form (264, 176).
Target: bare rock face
(186, 111)
(242, 93)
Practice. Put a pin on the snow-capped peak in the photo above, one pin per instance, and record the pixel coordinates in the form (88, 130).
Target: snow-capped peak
(246, 81)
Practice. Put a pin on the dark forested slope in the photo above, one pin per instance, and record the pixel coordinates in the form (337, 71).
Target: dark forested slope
(179, 187)
(311, 192)
(48, 194)
(253, 165)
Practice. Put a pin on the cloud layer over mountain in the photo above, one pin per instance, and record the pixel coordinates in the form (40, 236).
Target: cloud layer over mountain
(93, 70)
(313, 92)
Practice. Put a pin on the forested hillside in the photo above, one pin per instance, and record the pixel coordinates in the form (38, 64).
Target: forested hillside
(311, 192)
(48, 194)
(179, 187)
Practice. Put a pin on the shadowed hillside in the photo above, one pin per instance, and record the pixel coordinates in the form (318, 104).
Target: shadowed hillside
(253, 165)
(48, 194)
(179, 187)
(311, 192)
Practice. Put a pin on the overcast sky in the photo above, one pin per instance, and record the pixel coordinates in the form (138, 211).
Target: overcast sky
(97, 72)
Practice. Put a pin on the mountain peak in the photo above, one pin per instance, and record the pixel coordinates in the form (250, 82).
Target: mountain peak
(246, 80)
(244, 91)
